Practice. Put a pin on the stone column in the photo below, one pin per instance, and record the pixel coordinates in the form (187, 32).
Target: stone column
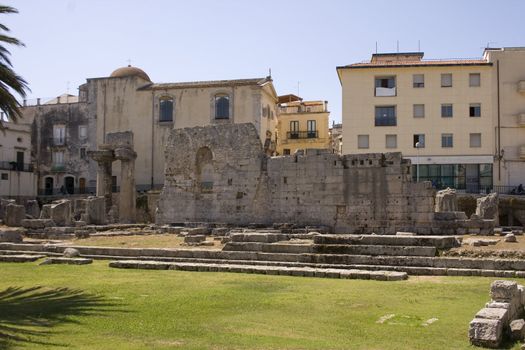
(128, 193)
(104, 158)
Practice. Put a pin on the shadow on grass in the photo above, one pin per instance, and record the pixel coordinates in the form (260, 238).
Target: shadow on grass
(27, 314)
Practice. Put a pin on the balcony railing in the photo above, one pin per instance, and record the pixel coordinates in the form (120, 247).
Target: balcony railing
(15, 166)
(58, 167)
(385, 92)
(293, 135)
(58, 141)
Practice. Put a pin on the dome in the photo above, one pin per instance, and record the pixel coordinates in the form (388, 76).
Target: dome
(129, 71)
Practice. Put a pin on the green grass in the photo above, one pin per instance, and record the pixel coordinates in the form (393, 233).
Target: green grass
(95, 307)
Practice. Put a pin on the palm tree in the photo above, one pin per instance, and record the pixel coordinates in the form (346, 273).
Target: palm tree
(10, 82)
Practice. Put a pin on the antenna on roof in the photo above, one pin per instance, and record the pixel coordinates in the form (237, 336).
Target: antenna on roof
(419, 46)
(129, 62)
(376, 46)
(398, 46)
(298, 89)
(269, 72)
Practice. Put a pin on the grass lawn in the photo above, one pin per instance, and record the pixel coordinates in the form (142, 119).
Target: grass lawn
(95, 307)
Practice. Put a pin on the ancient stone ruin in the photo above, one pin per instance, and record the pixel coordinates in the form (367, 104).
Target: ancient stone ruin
(501, 318)
(221, 173)
(118, 146)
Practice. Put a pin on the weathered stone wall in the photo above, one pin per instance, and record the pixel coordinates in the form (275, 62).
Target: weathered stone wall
(220, 174)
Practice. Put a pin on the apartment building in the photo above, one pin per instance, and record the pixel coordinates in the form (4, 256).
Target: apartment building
(441, 114)
(301, 125)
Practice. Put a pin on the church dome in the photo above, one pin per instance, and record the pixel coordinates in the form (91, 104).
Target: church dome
(129, 71)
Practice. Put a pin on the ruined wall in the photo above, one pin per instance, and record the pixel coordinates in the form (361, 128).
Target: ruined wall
(220, 174)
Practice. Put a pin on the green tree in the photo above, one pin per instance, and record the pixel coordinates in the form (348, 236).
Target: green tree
(10, 82)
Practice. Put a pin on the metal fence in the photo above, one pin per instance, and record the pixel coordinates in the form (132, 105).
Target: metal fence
(15, 166)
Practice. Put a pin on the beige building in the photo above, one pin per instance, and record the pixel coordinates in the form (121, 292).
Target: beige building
(127, 100)
(17, 179)
(441, 114)
(302, 125)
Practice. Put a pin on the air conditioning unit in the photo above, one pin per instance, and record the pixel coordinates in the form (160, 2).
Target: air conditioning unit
(521, 119)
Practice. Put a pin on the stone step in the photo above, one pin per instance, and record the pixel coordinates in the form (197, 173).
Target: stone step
(440, 242)
(20, 258)
(284, 258)
(360, 249)
(267, 270)
(69, 261)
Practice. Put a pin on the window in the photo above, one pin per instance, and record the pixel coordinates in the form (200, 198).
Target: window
(475, 140)
(419, 111)
(419, 141)
(362, 141)
(82, 152)
(446, 80)
(20, 161)
(474, 79)
(222, 107)
(312, 129)
(82, 132)
(286, 151)
(475, 110)
(385, 86)
(385, 116)
(58, 158)
(391, 141)
(5, 176)
(447, 140)
(166, 109)
(294, 129)
(59, 135)
(446, 110)
(418, 80)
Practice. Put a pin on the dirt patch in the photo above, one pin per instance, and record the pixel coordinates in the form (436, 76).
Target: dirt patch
(501, 249)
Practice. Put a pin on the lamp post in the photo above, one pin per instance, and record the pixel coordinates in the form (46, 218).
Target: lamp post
(417, 162)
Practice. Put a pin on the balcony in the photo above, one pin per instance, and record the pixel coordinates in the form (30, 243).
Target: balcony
(385, 92)
(15, 166)
(57, 141)
(296, 135)
(58, 168)
(521, 119)
(521, 87)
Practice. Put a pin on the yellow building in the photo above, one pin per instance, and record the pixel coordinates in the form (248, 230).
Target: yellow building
(439, 113)
(301, 125)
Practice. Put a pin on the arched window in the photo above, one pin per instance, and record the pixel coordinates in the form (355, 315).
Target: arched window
(166, 109)
(222, 107)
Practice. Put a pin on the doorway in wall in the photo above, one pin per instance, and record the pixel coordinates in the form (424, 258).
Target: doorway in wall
(69, 183)
(48, 186)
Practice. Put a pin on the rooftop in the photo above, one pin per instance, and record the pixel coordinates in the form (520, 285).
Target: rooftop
(210, 83)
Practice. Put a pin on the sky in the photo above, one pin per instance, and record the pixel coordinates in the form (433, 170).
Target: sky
(301, 41)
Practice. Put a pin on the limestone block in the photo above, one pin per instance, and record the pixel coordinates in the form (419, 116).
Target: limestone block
(45, 213)
(14, 214)
(511, 238)
(517, 329)
(487, 207)
(485, 332)
(493, 313)
(193, 239)
(446, 200)
(71, 253)
(504, 291)
(96, 210)
(32, 209)
(3, 204)
(36, 224)
(61, 212)
(11, 235)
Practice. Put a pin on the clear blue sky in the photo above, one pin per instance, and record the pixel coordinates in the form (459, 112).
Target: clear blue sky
(71, 40)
